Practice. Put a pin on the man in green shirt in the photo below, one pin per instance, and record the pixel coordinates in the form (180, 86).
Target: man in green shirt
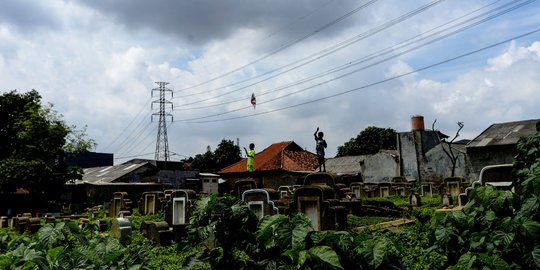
(250, 157)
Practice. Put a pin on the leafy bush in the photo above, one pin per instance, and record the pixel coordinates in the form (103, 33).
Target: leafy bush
(497, 229)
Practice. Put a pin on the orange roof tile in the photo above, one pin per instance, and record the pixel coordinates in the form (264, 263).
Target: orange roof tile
(283, 155)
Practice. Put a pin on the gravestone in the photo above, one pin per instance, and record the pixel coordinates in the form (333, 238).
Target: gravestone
(83, 222)
(101, 225)
(179, 207)
(285, 192)
(158, 232)
(150, 203)
(415, 200)
(121, 229)
(259, 202)
(4, 222)
(242, 185)
(357, 189)
(33, 224)
(119, 202)
(315, 203)
(447, 200)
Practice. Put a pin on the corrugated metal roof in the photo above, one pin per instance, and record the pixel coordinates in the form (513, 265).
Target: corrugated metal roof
(345, 165)
(504, 133)
(109, 174)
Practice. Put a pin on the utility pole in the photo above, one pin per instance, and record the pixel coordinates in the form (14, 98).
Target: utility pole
(162, 143)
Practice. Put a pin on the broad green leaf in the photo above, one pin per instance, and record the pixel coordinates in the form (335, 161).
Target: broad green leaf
(50, 234)
(327, 255)
(26, 253)
(535, 254)
(476, 244)
(379, 253)
(466, 261)
(503, 238)
(265, 232)
(442, 234)
(56, 253)
(299, 234)
(135, 267)
(319, 237)
(531, 229)
(489, 217)
(499, 263)
(303, 256)
(529, 207)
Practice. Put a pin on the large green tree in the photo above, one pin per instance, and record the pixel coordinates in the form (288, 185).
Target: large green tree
(226, 153)
(35, 143)
(369, 141)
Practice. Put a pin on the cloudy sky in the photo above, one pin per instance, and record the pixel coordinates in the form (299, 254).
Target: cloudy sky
(340, 65)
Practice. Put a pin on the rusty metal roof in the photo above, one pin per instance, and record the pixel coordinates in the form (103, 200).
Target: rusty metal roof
(504, 133)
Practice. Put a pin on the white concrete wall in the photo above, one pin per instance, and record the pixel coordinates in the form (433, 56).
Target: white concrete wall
(379, 168)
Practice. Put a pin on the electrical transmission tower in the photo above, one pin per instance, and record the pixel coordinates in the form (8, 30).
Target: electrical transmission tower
(162, 143)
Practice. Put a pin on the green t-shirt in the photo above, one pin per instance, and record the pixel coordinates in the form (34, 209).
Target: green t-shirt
(250, 160)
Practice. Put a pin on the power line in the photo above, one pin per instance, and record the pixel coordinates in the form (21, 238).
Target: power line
(380, 61)
(122, 133)
(313, 57)
(375, 83)
(135, 140)
(329, 51)
(134, 156)
(283, 47)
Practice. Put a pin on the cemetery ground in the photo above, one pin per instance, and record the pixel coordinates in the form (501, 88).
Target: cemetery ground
(237, 240)
(497, 229)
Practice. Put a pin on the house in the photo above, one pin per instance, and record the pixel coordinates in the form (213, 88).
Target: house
(439, 165)
(280, 164)
(497, 144)
(413, 147)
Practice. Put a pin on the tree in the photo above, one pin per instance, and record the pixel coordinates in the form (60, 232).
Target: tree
(204, 162)
(450, 152)
(369, 141)
(35, 145)
(225, 154)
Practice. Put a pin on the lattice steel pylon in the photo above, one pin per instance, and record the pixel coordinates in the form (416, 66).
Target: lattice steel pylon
(162, 143)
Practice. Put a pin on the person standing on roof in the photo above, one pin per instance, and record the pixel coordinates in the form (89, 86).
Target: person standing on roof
(320, 145)
(250, 157)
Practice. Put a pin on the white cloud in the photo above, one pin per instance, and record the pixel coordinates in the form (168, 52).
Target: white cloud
(98, 63)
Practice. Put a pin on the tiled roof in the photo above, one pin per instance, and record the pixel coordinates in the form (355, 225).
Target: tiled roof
(278, 156)
(504, 133)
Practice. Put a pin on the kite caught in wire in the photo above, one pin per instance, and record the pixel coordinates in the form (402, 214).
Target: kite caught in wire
(253, 100)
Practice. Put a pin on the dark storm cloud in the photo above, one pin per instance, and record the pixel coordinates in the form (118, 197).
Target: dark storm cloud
(200, 21)
(27, 15)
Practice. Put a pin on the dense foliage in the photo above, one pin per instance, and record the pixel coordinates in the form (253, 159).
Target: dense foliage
(226, 153)
(369, 141)
(497, 229)
(35, 145)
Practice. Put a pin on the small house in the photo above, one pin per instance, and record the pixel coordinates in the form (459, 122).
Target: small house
(280, 164)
